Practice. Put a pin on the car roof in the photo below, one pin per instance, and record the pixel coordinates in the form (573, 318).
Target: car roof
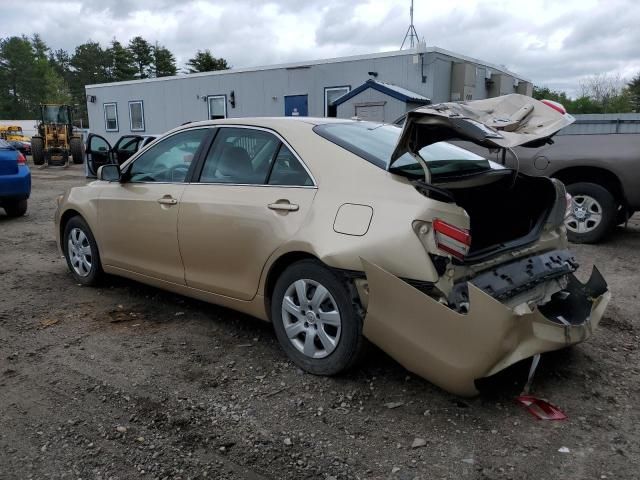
(270, 121)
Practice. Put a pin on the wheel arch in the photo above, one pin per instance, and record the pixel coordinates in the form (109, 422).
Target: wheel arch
(64, 220)
(276, 268)
(600, 176)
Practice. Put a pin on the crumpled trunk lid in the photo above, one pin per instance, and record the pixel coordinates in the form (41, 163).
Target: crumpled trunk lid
(501, 122)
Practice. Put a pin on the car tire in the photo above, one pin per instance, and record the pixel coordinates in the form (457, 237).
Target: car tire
(333, 327)
(81, 252)
(593, 213)
(37, 150)
(15, 208)
(75, 145)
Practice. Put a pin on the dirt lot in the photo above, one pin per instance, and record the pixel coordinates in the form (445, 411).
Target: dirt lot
(129, 381)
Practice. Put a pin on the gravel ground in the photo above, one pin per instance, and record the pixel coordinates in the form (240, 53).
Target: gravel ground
(128, 381)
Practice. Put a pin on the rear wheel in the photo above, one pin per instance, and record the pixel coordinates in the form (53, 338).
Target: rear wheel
(593, 213)
(316, 321)
(81, 252)
(37, 150)
(15, 208)
(75, 145)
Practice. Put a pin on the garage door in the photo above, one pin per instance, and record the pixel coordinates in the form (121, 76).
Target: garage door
(372, 113)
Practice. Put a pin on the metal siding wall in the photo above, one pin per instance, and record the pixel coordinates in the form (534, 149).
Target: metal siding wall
(442, 80)
(481, 92)
(169, 103)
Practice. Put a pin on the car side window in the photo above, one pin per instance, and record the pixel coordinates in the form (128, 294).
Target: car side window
(169, 159)
(129, 145)
(240, 155)
(287, 170)
(98, 145)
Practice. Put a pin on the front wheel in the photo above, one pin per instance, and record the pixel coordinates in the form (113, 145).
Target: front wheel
(593, 213)
(315, 318)
(81, 252)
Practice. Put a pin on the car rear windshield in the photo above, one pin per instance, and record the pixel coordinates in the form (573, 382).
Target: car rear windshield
(375, 143)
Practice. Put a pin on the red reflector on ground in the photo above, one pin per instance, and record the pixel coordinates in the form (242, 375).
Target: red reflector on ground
(541, 409)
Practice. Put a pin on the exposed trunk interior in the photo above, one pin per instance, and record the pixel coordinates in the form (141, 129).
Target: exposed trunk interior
(505, 211)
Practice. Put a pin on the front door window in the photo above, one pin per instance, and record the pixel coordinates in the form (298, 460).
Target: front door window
(168, 160)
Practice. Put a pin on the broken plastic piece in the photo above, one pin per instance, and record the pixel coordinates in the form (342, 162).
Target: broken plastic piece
(541, 409)
(532, 370)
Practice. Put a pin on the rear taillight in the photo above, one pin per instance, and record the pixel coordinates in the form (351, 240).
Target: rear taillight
(451, 239)
(21, 159)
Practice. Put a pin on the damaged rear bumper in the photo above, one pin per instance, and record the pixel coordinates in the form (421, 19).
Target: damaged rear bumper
(452, 350)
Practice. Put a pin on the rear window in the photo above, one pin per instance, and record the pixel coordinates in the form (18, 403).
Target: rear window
(4, 144)
(375, 143)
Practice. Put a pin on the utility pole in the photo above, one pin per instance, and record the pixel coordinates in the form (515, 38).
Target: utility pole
(411, 34)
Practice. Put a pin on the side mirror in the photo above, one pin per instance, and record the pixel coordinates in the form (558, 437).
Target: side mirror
(109, 173)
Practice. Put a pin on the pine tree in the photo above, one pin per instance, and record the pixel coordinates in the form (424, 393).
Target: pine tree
(634, 93)
(204, 61)
(122, 64)
(164, 63)
(142, 53)
(90, 64)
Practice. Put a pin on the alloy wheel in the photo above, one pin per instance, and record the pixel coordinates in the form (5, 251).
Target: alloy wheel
(311, 318)
(79, 251)
(585, 216)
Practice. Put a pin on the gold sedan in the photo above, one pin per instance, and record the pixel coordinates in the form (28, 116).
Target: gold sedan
(340, 230)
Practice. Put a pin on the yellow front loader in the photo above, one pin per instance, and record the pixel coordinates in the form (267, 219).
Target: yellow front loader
(56, 141)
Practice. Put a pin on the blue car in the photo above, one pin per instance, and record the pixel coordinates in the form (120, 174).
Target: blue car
(15, 180)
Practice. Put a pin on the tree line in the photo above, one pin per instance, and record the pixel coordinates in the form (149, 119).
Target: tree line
(602, 93)
(32, 73)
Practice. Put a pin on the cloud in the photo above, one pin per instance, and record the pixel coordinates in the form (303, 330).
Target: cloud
(554, 43)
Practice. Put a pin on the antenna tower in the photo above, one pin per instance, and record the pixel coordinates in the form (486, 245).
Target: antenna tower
(411, 34)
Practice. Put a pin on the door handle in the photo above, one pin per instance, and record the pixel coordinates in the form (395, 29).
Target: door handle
(167, 200)
(286, 206)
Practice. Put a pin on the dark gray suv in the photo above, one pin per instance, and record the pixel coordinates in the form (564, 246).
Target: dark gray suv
(600, 171)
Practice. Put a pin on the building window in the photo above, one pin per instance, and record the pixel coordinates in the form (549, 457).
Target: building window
(217, 106)
(136, 116)
(330, 95)
(111, 117)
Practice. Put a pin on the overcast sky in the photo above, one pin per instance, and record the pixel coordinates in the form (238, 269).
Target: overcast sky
(553, 42)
